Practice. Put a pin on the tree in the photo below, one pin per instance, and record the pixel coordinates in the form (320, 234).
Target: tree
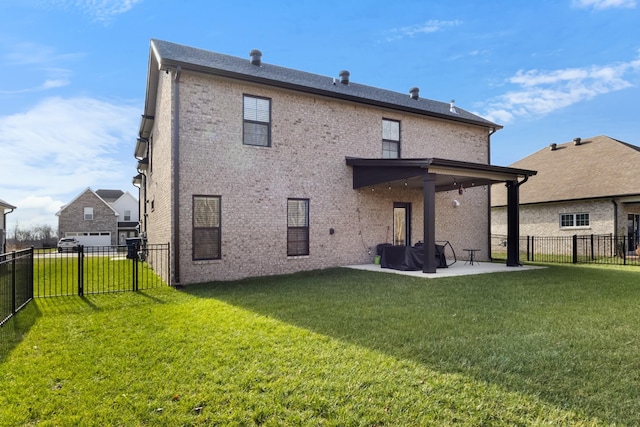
(42, 235)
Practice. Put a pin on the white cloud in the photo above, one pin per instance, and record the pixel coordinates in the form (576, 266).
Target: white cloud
(46, 85)
(605, 4)
(541, 92)
(431, 26)
(28, 53)
(103, 10)
(99, 10)
(62, 146)
(32, 58)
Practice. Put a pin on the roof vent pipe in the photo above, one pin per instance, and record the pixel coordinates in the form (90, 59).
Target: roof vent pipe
(414, 92)
(256, 57)
(553, 146)
(344, 77)
(452, 106)
(577, 141)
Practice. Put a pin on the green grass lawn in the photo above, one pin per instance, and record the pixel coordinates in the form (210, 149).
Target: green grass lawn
(339, 347)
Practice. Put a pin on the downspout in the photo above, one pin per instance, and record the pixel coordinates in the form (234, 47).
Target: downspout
(491, 132)
(615, 217)
(175, 137)
(4, 231)
(526, 178)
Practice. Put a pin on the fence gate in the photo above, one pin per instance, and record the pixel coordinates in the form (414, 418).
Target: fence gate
(100, 269)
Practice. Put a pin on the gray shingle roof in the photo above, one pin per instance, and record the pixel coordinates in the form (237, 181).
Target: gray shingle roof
(109, 196)
(172, 55)
(599, 167)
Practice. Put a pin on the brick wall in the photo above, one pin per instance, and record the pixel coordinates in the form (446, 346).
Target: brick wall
(544, 219)
(311, 136)
(71, 218)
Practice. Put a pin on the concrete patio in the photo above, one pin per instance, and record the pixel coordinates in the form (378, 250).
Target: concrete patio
(457, 269)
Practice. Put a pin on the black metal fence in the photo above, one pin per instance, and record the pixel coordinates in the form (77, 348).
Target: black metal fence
(575, 249)
(16, 282)
(100, 269)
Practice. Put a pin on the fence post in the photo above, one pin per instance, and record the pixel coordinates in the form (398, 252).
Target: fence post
(13, 283)
(31, 275)
(81, 270)
(575, 248)
(135, 272)
(593, 257)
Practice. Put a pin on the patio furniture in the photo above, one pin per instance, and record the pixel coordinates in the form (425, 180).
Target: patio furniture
(472, 256)
(410, 258)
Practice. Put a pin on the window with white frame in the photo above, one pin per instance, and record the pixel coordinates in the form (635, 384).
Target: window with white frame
(127, 215)
(88, 214)
(390, 139)
(256, 121)
(574, 220)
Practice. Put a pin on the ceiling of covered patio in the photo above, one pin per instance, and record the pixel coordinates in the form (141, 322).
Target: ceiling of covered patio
(449, 174)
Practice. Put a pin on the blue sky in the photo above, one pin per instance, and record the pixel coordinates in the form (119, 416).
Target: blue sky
(74, 73)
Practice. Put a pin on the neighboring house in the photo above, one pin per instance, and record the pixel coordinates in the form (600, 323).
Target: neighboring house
(250, 169)
(100, 218)
(586, 186)
(4, 207)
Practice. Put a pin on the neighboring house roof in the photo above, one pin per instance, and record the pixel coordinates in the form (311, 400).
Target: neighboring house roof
(109, 196)
(5, 205)
(593, 168)
(165, 55)
(80, 194)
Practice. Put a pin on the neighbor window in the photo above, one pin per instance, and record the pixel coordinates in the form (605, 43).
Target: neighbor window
(573, 220)
(257, 121)
(127, 215)
(390, 139)
(206, 227)
(88, 214)
(297, 227)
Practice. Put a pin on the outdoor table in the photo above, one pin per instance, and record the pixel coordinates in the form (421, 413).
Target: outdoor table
(472, 255)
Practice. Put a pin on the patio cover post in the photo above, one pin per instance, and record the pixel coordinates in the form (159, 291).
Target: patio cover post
(429, 219)
(513, 224)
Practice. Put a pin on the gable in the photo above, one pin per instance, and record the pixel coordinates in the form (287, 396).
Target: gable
(127, 202)
(594, 168)
(88, 198)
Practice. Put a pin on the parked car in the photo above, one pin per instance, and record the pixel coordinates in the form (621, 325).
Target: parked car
(68, 244)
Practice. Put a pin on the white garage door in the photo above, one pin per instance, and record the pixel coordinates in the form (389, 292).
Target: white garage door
(92, 239)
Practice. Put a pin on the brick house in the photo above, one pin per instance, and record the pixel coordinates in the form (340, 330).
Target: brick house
(100, 218)
(585, 186)
(5, 208)
(251, 169)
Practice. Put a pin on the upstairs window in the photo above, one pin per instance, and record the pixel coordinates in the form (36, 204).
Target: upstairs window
(127, 215)
(257, 121)
(390, 139)
(297, 227)
(574, 220)
(88, 214)
(206, 227)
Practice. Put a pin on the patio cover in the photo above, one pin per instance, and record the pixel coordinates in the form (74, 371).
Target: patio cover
(434, 175)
